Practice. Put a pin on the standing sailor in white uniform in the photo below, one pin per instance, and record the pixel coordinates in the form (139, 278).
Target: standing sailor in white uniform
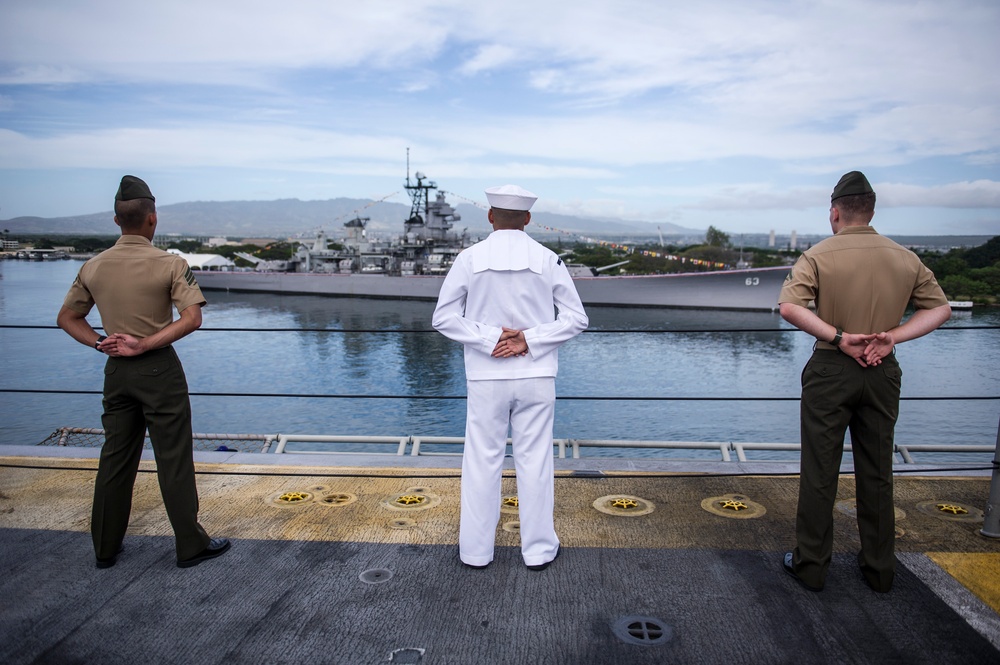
(500, 300)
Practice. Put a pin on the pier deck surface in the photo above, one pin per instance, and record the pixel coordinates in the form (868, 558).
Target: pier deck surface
(350, 575)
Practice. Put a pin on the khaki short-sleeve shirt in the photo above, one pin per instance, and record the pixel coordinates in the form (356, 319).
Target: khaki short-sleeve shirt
(861, 281)
(135, 287)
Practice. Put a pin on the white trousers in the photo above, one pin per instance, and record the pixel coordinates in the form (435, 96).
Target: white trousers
(527, 406)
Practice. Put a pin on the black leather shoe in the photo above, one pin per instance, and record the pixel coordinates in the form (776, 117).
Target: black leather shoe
(216, 547)
(786, 563)
(543, 566)
(110, 561)
(861, 569)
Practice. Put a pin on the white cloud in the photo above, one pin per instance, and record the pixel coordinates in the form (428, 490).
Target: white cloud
(978, 194)
(487, 57)
(983, 194)
(609, 97)
(208, 146)
(43, 75)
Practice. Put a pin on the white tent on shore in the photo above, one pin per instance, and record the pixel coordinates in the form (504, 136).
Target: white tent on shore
(205, 261)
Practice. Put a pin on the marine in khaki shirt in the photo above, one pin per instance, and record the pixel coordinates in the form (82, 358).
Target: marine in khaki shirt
(861, 283)
(135, 287)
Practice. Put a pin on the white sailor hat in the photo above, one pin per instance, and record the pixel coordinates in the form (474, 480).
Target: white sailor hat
(510, 197)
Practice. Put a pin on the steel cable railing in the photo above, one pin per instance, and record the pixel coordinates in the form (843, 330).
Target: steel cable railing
(737, 448)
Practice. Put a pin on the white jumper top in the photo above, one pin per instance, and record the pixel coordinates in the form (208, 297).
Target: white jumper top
(509, 280)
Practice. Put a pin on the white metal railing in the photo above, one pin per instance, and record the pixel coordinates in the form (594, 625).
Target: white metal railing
(283, 439)
(728, 451)
(571, 448)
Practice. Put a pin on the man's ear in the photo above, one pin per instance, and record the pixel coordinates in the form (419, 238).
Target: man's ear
(527, 218)
(489, 216)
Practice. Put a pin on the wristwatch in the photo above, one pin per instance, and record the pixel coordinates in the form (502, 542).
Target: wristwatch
(97, 344)
(839, 336)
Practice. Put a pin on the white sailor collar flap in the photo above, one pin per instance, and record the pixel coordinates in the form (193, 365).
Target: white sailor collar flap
(508, 250)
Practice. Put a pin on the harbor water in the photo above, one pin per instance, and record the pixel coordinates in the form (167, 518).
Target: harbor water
(373, 367)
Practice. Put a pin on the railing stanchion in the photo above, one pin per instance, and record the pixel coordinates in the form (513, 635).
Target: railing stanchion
(991, 516)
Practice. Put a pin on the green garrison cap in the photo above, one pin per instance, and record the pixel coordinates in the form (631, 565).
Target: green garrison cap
(851, 184)
(133, 188)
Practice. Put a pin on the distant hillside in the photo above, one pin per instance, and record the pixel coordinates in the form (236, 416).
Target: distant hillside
(292, 217)
(288, 217)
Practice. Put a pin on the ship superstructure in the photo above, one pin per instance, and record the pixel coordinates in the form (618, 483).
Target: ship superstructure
(428, 246)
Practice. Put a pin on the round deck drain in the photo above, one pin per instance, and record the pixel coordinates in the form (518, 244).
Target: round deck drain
(850, 507)
(512, 527)
(736, 506)
(413, 498)
(642, 630)
(376, 576)
(954, 511)
(336, 499)
(291, 498)
(622, 505)
(508, 504)
(402, 523)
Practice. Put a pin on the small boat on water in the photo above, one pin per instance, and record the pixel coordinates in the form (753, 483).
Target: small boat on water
(413, 265)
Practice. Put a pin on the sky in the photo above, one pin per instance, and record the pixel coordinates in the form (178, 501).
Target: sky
(739, 114)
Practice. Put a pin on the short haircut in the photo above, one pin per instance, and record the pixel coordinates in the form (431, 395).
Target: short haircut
(856, 206)
(131, 214)
(505, 218)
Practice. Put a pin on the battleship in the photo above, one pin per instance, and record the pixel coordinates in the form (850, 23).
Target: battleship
(413, 265)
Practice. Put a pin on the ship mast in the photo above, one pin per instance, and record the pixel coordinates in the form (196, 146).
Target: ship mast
(419, 195)
(429, 220)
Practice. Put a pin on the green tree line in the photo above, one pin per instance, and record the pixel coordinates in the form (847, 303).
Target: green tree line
(964, 274)
(968, 274)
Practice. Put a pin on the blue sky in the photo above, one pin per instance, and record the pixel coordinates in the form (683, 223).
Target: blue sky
(738, 114)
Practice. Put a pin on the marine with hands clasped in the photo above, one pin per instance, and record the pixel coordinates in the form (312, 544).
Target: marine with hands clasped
(135, 287)
(499, 300)
(861, 283)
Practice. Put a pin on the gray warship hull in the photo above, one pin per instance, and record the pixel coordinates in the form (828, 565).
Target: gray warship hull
(413, 267)
(750, 289)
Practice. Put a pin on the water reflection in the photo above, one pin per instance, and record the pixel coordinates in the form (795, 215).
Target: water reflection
(640, 363)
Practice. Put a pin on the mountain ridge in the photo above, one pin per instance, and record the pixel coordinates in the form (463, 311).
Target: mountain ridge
(289, 217)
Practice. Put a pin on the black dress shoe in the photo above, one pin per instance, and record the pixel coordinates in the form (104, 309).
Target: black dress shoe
(216, 547)
(876, 589)
(543, 566)
(110, 561)
(786, 563)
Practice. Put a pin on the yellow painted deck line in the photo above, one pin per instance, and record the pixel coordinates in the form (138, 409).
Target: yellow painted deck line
(977, 572)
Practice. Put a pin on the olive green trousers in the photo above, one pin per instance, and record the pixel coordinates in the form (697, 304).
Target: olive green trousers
(146, 392)
(838, 395)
